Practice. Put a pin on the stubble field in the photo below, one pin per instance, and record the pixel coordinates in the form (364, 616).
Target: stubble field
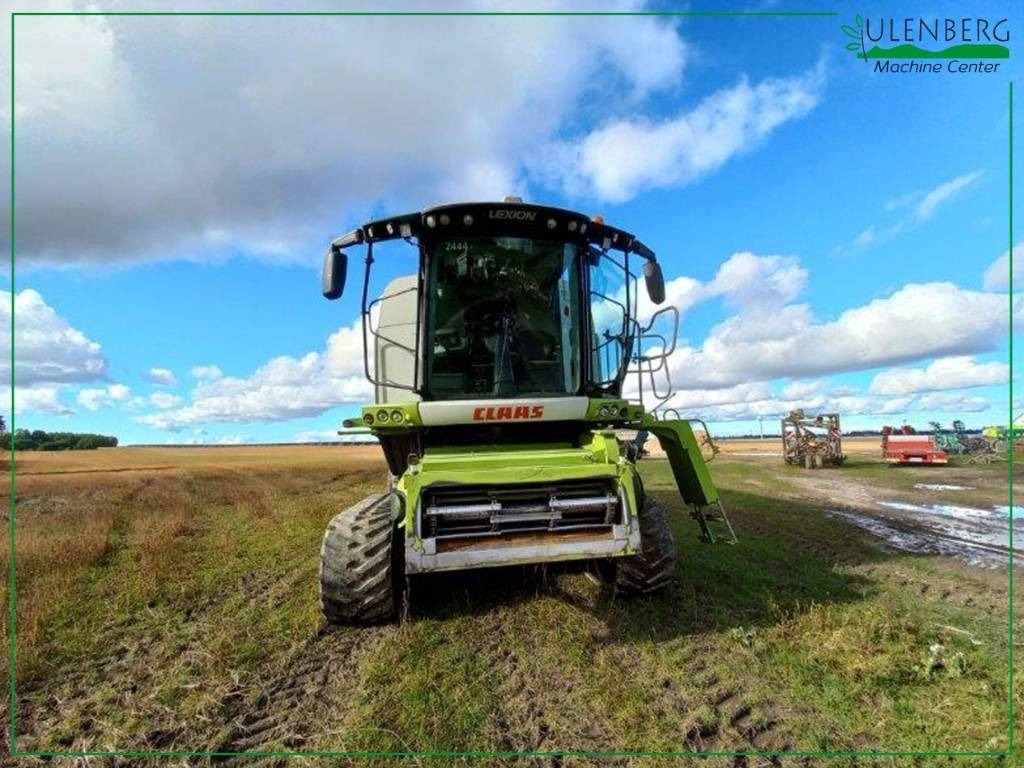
(167, 601)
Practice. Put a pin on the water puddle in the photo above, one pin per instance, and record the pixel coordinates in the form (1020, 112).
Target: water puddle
(940, 487)
(976, 535)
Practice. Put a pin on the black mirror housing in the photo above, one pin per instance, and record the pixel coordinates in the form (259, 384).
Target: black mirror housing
(335, 271)
(655, 281)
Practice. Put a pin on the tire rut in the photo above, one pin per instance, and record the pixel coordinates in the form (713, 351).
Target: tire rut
(723, 720)
(291, 706)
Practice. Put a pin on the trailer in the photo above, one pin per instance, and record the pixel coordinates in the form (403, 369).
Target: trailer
(901, 449)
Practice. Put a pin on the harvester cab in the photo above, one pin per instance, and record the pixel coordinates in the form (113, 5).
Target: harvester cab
(499, 369)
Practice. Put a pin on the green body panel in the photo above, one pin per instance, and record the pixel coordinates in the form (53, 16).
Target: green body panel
(509, 465)
(688, 466)
(598, 455)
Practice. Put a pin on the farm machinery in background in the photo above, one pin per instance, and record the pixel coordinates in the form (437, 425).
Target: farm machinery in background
(903, 445)
(498, 368)
(812, 441)
(976, 448)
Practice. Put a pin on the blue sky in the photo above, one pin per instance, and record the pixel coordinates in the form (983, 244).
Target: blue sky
(835, 237)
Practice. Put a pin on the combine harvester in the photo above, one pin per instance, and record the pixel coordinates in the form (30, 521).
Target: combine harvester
(902, 446)
(498, 368)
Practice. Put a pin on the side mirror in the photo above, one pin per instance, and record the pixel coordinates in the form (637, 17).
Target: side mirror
(335, 270)
(655, 281)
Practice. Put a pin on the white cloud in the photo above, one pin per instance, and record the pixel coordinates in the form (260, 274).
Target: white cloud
(164, 400)
(93, 399)
(233, 440)
(952, 401)
(283, 388)
(627, 156)
(865, 238)
(47, 349)
(206, 372)
(797, 390)
(997, 276)
(932, 200)
(766, 344)
(750, 402)
(925, 205)
(130, 126)
(331, 435)
(38, 399)
(163, 377)
(750, 281)
(957, 372)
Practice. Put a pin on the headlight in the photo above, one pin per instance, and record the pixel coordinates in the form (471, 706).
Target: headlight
(368, 418)
(382, 415)
(397, 417)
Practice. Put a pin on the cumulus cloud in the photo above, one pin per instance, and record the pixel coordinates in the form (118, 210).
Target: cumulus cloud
(997, 276)
(744, 280)
(959, 372)
(131, 144)
(92, 399)
(751, 402)
(750, 281)
(283, 388)
(38, 399)
(786, 342)
(47, 349)
(164, 400)
(206, 372)
(163, 377)
(624, 157)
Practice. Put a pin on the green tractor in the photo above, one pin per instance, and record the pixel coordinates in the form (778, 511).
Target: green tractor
(498, 369)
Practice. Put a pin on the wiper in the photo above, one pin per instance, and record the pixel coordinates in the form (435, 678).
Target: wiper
(504, 375)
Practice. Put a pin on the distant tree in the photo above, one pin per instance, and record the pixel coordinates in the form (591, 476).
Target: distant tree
(40, 440)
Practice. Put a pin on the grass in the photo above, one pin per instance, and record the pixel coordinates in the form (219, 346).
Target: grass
(176, 609)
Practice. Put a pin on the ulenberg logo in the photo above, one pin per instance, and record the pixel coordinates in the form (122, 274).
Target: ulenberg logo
(887, 39)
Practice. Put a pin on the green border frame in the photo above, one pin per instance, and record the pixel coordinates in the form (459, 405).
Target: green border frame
(168, 754)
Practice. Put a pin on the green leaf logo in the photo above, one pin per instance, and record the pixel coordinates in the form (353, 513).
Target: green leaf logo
(856, 35)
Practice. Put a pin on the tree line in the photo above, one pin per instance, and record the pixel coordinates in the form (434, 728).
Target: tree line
(40, 440)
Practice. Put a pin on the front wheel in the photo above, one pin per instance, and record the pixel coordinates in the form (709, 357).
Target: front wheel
(360, 564)
(654, 567)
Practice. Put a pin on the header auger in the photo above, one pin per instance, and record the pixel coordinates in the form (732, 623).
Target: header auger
(498, 369)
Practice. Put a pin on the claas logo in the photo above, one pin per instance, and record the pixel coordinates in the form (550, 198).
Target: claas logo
(508, 413)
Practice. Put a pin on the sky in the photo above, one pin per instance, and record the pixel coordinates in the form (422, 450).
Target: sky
(835, 238)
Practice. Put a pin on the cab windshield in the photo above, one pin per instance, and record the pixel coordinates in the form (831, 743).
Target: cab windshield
(503, 318)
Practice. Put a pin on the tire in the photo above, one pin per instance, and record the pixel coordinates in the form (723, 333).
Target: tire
(360, 564)
(655, 566)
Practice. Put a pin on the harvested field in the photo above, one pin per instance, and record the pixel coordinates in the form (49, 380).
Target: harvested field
(167, 601)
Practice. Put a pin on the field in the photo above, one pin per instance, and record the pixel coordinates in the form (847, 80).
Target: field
(167, 601)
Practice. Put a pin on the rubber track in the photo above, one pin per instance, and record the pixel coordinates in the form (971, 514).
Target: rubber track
(655, 566)
(356, 583)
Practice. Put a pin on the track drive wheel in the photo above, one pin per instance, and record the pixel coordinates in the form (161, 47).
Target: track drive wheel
(360, 564)
(655, 566)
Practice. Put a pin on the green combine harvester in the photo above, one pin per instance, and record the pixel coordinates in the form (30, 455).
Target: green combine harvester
(498, 370)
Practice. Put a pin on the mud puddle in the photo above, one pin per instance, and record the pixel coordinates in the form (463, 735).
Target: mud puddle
(978, 536)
